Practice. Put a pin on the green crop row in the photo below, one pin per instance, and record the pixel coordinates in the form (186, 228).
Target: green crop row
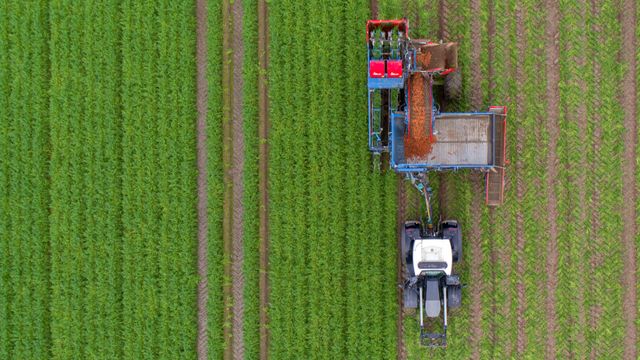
(215, 182)
(5, 152)
(606, 295)
(251, 201)
(332, 219)
(573, 147)
(24, 189)
(85, 141)
(158, 181)
(68, 138)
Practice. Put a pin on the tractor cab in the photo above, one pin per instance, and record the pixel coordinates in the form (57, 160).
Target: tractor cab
(432, 256)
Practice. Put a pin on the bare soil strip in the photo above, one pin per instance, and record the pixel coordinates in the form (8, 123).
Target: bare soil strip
(201, 159)
(553, 98)
(237, 174)
(521, 304)
(263, 129)
(629, 305)
(227, 155)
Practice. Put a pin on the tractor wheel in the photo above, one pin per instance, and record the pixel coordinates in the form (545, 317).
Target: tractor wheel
(411, 230)
(454, 296)
(453, 85)
(453, 231)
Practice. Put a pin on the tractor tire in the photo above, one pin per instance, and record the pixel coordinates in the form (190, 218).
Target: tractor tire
(454, 296)
(453, 231)
(453, 85)
(411, 231)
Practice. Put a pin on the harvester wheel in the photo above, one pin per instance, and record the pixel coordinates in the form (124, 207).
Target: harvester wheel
(454, 296)
(453, 85)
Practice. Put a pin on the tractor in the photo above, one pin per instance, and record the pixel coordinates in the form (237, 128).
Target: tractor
(407, 80)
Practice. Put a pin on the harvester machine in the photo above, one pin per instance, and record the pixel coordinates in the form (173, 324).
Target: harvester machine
(407, 80)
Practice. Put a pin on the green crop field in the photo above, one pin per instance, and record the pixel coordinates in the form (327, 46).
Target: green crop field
(101, 233)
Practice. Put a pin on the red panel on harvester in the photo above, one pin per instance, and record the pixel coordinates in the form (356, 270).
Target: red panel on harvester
(394, 68)
(376, 68)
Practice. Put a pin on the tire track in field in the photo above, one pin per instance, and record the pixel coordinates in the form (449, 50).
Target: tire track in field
(263, 129)
(521, 189)
(237, 175)
(477, 285)
(629, 304)
(201, 155)
(553, 97)
(227, 156)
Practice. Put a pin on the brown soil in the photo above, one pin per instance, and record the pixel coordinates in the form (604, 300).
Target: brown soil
(227, 154)
(201, 129)
(553, 98)
(263, 129)
(374, 9)
(629, 304)
(521, 304)
(237, 173)
(419, 138)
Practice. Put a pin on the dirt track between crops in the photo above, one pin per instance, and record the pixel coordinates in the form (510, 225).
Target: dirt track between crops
(553, 115)
(201, 155)
(237, 174)
(263, 130)
(629, 304)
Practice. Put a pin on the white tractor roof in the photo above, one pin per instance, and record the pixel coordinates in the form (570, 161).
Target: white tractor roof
(432, 255)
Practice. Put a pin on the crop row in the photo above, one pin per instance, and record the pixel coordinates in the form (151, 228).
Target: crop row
(332, 219)
(605, 298)
(158, 182)
(24, 188)
(251, 240)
